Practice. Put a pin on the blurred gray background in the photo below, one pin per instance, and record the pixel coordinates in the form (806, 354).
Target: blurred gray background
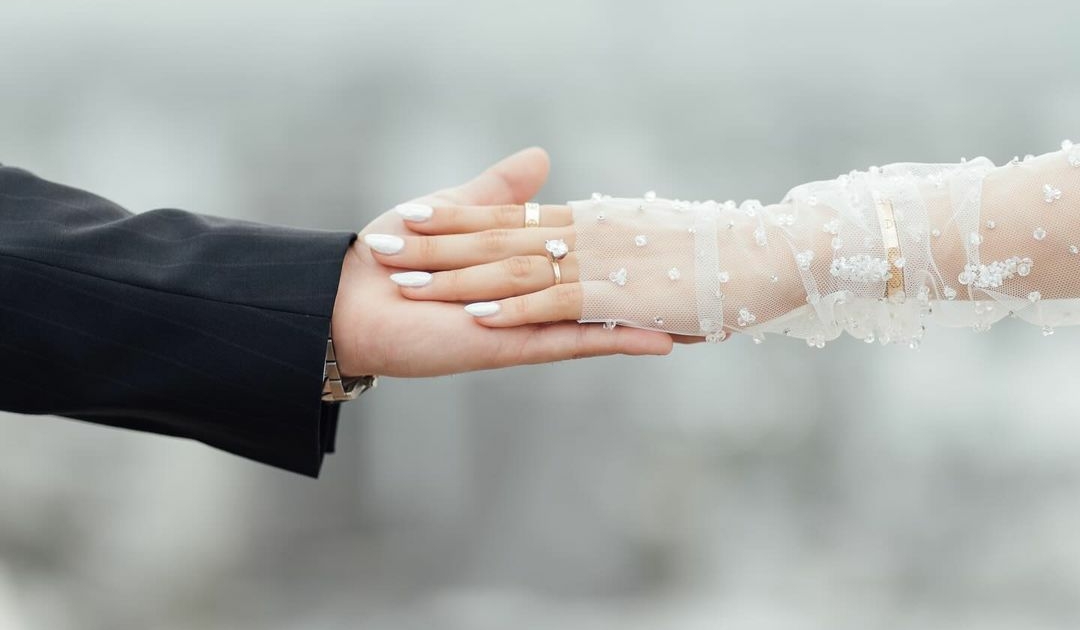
(738, 486)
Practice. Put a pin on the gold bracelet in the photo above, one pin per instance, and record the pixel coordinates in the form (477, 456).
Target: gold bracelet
(894, 286)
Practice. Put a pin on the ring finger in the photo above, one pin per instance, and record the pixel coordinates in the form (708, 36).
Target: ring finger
(514, 276)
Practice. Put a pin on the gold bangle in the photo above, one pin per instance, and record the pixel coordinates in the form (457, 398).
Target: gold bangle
(894, 286)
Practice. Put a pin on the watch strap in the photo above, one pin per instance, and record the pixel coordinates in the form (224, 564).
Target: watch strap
(339, 389)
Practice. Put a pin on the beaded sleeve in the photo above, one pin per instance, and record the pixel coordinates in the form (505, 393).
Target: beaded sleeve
(877, 253)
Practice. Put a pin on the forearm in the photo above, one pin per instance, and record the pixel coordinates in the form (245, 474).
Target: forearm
(816, 263)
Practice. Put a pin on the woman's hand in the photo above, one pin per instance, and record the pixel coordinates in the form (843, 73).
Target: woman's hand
(417, 326)
(486, 258)
(478, 255)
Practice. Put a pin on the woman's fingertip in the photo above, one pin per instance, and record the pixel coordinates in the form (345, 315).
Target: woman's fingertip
(411, 279)
(415, 212)
(482, 309)
(386, 244)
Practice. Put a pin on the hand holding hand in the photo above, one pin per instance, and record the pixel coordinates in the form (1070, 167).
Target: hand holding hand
(378, 329)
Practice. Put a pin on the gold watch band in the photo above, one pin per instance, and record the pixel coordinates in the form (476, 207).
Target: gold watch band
(338, 389)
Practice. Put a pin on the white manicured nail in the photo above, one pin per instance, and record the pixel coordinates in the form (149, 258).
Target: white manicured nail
(412, 278)
(482, 309)
(414, 212)
(384, 243)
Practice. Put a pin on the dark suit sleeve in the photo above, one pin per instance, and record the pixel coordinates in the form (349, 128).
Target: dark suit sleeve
(167, 321)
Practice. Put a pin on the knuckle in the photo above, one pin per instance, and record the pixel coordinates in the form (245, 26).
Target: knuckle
(518, 268)
(581, 343)
(567, 296)
(521, 307)
(492, 242)
(508, 216)
(427, 248)
(451, 215)
(453, 281)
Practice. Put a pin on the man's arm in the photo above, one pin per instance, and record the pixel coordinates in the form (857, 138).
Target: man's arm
(167, 321)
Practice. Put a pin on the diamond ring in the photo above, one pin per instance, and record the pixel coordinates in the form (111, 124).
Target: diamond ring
(556, 248)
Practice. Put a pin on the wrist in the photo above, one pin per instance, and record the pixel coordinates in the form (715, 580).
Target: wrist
(342, 325)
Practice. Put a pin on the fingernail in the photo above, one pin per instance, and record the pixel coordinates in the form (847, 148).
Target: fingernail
(384, 243)
(414, 212)
(412, 278)
(482, 309)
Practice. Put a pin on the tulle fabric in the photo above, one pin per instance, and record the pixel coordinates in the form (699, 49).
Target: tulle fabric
(978, 243)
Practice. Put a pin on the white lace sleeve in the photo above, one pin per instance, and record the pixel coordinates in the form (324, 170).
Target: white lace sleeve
(973, 243)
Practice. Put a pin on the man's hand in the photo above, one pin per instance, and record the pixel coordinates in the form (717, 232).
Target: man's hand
(378, 331)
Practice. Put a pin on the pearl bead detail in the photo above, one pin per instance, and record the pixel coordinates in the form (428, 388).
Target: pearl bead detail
(861, 268)
(995, 274)
(716, 337)
(746, 317)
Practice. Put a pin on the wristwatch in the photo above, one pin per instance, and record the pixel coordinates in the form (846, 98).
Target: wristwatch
(338, 389)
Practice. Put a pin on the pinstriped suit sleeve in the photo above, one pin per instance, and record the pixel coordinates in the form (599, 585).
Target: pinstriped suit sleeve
(167, 321)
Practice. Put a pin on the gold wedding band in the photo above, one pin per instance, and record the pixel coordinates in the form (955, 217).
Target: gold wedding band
(558, 272)
(532, 214)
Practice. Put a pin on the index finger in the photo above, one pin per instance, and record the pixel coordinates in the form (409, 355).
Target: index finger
(466, 219)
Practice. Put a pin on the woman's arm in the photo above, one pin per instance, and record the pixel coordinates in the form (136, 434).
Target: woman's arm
(875, 253)
(970, 244)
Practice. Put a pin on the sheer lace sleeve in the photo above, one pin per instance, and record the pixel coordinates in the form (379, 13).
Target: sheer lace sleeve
(960, 244)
